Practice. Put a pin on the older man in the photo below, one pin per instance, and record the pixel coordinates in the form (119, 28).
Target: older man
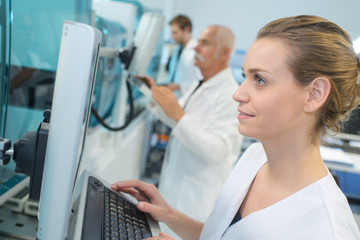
(204, 142)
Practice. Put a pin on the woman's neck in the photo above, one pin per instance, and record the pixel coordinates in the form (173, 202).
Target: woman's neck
(294, 163)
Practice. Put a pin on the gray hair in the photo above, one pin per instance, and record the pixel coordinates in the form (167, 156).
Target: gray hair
(224, 37)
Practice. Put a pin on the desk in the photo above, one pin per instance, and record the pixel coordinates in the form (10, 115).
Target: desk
(16, 225)
(348, 177)
(352, 169)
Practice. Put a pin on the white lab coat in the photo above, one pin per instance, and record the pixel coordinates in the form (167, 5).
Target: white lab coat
(186, 73)
(203, 147)
(318, 211)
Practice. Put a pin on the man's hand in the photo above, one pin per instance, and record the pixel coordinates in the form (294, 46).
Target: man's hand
(173, 87)
(147, 80)
(168, 102)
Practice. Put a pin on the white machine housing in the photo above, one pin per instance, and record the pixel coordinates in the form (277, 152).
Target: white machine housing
(74, 82)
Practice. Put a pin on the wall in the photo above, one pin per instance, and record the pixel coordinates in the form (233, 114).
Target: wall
(245, 18)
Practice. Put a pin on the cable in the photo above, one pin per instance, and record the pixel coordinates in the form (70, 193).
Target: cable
(128, 120)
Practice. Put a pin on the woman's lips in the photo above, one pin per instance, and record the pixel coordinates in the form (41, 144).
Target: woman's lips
(242, 115)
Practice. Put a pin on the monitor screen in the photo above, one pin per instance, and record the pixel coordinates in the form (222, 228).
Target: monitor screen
(145, 40)
(352, 126)
(348, 138)
(350, 130)
(74, 85)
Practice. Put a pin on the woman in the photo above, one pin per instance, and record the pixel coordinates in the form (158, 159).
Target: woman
(300, 81)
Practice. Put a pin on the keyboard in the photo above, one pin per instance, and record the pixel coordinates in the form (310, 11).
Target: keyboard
(122, 219)
(109, 215)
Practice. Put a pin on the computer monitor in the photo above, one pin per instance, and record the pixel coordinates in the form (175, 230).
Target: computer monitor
(145, 40)
(137, 55)
(74, 83)
(146, 37)
(351, 128)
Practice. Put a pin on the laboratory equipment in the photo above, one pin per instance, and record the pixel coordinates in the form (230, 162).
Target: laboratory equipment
(11, 186)
(74, 83)
(29, 155)
(75, 77)
(135, 60)
(5, 30)
(348, 177)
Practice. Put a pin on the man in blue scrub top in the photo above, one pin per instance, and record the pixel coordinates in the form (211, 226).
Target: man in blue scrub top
(182, 71)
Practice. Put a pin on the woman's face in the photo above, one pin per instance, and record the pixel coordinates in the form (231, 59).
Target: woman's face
(270, 102)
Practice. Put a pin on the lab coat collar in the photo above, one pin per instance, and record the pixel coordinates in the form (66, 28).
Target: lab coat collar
(190, 44)
(220, 76)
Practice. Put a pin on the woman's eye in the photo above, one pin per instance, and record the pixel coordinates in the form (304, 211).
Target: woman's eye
(259, 80)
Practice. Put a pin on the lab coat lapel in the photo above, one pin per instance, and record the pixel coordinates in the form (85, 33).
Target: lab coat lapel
(235, 189)
(209, 86)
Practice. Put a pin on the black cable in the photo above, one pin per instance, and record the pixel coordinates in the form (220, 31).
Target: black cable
(128, 120)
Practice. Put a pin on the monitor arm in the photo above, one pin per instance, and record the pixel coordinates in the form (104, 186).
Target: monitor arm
(29, 154)
(125, 54)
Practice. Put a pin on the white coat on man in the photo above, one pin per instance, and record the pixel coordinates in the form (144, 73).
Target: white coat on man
(182, 70)
(204, 142)
(203, 147)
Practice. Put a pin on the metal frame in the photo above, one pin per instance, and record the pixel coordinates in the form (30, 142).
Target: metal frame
(5, 23)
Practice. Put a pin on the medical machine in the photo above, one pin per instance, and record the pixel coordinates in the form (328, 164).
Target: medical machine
(52, 155)
(348, 140)
(135, 60)
(65, 146)
(76, 71)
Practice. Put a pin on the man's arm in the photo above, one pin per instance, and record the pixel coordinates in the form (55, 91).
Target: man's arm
(218, 135)
(168, 102)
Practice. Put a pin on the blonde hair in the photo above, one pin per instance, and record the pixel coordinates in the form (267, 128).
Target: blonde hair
(320, 48)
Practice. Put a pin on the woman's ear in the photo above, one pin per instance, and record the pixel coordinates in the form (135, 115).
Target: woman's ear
(319, 90)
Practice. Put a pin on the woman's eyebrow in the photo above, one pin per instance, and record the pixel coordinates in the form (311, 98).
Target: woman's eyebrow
(254, 70)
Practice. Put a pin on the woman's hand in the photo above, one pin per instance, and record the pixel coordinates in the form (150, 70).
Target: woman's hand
(150, 200)
(161, 236)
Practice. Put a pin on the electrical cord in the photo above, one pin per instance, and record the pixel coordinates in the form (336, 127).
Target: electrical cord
(128, 120)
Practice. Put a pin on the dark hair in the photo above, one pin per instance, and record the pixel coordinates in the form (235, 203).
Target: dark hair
(182, 21)
(320, 48)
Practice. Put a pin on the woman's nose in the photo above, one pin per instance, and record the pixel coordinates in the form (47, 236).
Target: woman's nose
(241, 95)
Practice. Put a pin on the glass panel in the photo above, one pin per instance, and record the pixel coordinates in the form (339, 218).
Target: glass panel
(109, 69)
(4, 60)
(35, 41)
